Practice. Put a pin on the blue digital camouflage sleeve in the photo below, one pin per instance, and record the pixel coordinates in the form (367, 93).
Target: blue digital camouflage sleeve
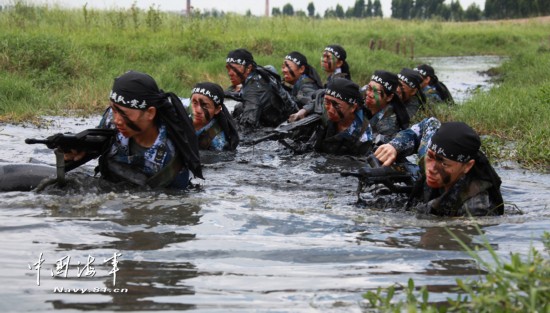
(415, 139)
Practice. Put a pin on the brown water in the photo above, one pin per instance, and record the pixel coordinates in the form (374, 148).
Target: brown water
(265, 232)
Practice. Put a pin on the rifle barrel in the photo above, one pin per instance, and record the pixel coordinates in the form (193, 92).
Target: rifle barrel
(352, 174)
(271, 136)
(32, 141)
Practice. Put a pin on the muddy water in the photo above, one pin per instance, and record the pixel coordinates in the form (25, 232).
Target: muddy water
(463, 75)
(265, 232)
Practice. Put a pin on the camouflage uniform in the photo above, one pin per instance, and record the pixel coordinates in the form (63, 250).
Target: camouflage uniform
(148, 161)
(384, 125)
(415, 139)
(355, 140)
(431, 94)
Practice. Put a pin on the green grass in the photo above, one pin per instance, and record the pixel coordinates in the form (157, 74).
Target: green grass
(518, 109)
(54, 61)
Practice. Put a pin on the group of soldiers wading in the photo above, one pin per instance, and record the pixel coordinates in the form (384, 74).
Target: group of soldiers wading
(160, 134)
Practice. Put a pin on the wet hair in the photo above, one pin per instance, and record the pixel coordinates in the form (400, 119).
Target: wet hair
(425, 70)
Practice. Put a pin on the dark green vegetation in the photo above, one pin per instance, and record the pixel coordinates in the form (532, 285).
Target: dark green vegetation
(422, 10)
(453, 11)
(517, 285)
(55, 61)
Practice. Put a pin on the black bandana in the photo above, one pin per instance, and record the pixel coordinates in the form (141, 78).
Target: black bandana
(136, 90)
(389, 81)
(337, 51)
(297, 58)
(211, 90)
(455, 141)
(425, 70)
(240, 56)
(410, 77)
(344, 89)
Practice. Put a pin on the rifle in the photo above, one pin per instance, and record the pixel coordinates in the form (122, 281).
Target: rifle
(398, 178)
(93, 141)
(285, 129)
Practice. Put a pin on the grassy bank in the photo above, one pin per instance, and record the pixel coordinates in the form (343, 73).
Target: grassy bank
(54, 61)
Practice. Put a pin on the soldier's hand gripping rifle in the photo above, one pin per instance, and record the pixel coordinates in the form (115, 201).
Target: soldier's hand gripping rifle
(93, 141)
(398, 178)
(286, 129)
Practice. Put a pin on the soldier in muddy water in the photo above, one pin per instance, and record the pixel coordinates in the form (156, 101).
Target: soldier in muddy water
(214, 126)
(457, 179)
(263, 100)
(154, 144)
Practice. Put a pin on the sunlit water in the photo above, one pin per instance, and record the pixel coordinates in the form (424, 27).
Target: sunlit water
(265, 232)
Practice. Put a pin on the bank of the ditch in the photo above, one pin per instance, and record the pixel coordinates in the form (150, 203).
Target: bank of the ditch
(54, 61)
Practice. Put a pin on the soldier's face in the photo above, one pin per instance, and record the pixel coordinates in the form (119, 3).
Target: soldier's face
(204, 110)
(237, 73)
(406, 92)
(329, 62)
(131, 122)
(376, 99)
(442, 172)
(291, 71)
(338, 110)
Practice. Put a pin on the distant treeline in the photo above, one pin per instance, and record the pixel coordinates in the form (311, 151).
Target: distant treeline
(400, 9)
(429, 9)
